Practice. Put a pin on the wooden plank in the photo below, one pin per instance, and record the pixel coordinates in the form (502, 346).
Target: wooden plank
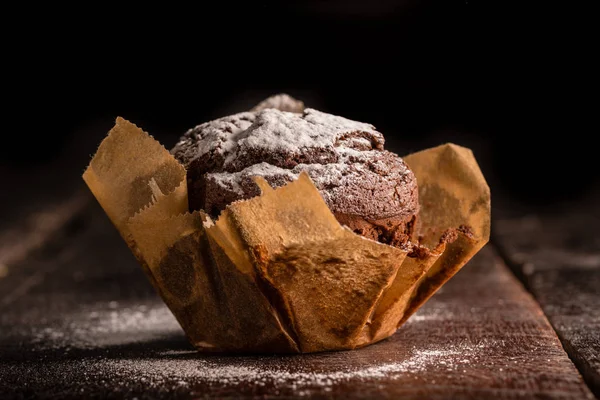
(558, 258)
(38, 200)
(82, 321)
(38, 225)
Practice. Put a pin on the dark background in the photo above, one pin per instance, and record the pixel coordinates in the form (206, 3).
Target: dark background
(514, 82)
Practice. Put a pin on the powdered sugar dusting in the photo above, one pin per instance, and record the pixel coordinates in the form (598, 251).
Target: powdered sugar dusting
(337, 125)
(337, 182)
(107, 325)
(345, 159)
(231, 181)
(181, 369)
(272, 130)
(282, 101)
(184, 369)
(287, 132)
(417, 362)
(212, 136)
(431, 314)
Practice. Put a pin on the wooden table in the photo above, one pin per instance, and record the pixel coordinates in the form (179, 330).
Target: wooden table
(78, 319)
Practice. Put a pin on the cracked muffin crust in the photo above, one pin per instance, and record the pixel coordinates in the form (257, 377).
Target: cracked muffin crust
(368, 189)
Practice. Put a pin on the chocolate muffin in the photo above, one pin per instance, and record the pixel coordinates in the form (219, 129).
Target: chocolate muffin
(368, 189)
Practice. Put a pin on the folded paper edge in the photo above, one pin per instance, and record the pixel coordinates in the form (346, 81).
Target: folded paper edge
(429, 284)
(124, 139)
(94, 180)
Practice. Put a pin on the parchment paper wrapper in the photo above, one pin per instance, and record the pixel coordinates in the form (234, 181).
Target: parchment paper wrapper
(278, 273)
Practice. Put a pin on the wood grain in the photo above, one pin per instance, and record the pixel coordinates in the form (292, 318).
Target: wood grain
(91, 326)
(37, 201)
(34, 230)
(558, 258)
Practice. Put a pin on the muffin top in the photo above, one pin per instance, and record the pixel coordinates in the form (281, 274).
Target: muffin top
(345, 159)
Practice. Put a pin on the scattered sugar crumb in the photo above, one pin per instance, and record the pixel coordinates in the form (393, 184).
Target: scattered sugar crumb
(107, 326)
(275, 370)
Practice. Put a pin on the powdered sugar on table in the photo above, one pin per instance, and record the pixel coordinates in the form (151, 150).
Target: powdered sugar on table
(184, 369)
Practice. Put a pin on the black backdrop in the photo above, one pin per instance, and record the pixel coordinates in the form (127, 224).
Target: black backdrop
(514, 82)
